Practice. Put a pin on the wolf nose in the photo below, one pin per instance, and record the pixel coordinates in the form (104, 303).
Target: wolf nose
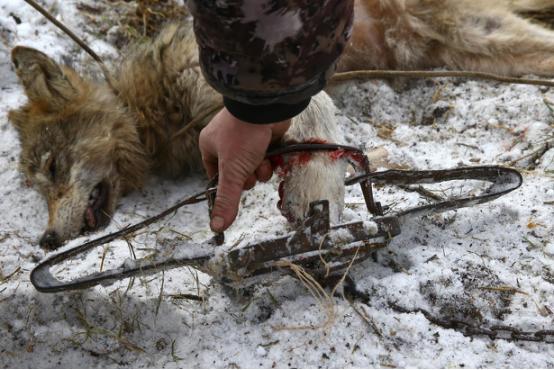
(50, 240)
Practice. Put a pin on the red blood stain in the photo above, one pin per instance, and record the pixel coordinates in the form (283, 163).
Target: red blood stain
(284, 163)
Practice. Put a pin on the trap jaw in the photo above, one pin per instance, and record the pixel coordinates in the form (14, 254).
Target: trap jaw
(321, 250)
(316, 246)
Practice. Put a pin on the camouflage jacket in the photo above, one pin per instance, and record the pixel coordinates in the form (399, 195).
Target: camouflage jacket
(268, 57)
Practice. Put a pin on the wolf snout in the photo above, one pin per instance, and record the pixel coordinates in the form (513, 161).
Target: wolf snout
(50, 240)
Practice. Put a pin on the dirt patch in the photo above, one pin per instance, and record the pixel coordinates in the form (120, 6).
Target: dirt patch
(471, 295)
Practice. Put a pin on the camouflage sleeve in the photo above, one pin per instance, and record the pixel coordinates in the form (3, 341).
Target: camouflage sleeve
(269, 57)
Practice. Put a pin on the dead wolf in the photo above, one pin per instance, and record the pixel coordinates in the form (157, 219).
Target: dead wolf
(85, 145)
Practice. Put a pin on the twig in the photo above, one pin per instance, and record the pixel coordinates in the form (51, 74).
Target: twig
(531, 243)
(173, 354)
(422, 191)
(382, 74)
(434, 257)
(534, 155)
(194, 274)
(549, 104)
(131, 247)
(194, 122)
(5, 279)
(184, 236)
(190, 297)
(75, 38)
(504, 289)
(365, 317)
(469, 329)
(104, 252)
(132, 250)
(474, 147)
(160, 297)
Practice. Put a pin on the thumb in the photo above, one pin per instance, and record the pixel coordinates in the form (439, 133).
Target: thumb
(229, 189)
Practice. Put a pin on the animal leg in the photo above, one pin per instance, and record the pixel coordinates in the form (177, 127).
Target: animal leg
(496, 37)
(530, 5)
(315, 176)
(501, 42)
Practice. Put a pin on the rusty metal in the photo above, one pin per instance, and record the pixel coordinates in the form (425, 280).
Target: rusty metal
(321, 249)
(220, 236)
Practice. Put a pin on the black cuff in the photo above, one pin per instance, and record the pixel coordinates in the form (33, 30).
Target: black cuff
(264, 114)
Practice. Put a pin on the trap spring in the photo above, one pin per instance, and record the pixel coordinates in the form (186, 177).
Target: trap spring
(321, 249)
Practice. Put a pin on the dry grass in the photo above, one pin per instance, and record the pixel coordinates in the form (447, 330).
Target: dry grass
(130, 21)
(324, 299)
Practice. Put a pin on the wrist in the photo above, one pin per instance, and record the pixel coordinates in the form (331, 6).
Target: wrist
(277, 129)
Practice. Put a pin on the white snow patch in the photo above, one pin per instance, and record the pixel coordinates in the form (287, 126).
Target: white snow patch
(431, 265)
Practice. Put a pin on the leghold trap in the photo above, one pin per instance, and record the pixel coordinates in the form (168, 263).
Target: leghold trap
(320, 248)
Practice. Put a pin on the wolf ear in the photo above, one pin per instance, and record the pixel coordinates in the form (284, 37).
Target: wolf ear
(44, 81)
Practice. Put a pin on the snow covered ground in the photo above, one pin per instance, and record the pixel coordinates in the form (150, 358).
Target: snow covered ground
(489, 264)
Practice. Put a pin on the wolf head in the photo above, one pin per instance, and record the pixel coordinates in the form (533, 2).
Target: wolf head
(79, 147)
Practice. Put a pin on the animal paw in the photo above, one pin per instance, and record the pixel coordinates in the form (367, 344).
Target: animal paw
(312, 176)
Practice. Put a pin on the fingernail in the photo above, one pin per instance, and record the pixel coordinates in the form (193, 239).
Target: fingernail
(217, 223)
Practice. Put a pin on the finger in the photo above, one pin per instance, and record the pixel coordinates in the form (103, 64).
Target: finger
(250, 182)
(210, 166)
(209, 157)
(227, 200)
(264, 171)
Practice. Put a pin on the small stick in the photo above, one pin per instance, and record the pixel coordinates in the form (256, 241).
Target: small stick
(504, 289)
(190, 297)
(61, 26)
(103, 258)
(422, 191)
(161, 296)
(197, 120)
(365, 317)
(534, 155)
(4, 279)
(75, 38)
(381, 74)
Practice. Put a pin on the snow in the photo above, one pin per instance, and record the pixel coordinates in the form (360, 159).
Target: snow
(446, 264)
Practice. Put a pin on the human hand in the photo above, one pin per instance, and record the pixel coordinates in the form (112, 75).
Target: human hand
(236, 151)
